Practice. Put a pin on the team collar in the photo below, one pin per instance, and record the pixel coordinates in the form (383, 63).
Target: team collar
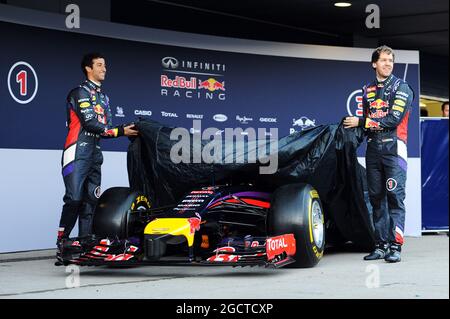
(385, 81)
(93, 86)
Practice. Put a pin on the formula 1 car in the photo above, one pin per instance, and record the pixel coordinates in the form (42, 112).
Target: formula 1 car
(217, 225)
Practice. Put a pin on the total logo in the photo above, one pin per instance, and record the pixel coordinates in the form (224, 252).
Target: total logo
(243, 120)
(354, 103)
(275, 244)
(167, 114)
(303, 122)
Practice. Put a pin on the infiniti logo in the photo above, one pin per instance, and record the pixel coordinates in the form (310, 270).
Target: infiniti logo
(169, 62)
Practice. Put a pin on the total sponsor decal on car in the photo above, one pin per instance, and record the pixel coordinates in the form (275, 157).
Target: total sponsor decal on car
(277, 245)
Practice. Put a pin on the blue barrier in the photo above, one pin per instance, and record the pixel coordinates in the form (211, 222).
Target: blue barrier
(434, 149)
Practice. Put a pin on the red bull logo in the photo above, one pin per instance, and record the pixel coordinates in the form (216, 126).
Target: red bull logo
(179, 82)
(194, 224)
(378, 114)
(211, 85)
(378, 104)
(98, 109)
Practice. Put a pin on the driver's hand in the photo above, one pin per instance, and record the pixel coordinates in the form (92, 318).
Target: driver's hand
(130, 130)
(351, 121)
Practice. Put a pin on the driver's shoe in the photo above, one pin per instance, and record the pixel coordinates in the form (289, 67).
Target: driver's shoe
(59, 248)
(380, 252)
(394, 255)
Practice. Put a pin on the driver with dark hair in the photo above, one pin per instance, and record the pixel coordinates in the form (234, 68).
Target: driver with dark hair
(88, 120)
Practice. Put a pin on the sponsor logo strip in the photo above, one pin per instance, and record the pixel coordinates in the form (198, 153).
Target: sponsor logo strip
(398, 108)
(399, 102)
(85, 105)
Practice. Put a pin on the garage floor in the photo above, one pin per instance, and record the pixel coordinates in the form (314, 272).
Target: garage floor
(423, 273)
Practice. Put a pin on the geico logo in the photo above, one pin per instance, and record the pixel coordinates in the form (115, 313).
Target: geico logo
(275, 244)
(142, 112)
(267, 120)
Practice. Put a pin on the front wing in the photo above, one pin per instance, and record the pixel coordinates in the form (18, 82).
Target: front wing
(274, 252)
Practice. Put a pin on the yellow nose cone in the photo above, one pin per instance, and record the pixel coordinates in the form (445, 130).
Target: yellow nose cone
(174, 226)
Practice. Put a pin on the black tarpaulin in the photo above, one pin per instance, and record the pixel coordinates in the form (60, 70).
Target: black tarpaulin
(323, 156)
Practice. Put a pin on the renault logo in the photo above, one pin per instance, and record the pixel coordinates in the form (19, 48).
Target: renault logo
(170, 63)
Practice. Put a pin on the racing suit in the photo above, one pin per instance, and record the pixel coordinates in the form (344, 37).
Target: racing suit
(88, 119)
(386, 109)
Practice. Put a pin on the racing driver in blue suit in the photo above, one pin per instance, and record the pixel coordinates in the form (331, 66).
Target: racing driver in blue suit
(386, 109)
(88, 120)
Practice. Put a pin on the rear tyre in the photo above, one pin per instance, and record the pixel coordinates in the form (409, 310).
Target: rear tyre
(296, 209)
(113, 215)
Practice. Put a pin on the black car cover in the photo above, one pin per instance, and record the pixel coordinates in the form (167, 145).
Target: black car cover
(323, 156)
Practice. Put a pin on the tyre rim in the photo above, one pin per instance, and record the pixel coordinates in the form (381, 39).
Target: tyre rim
(317, 226)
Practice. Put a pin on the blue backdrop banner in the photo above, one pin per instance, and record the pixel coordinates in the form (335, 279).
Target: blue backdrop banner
(434, 174)
(175, 85)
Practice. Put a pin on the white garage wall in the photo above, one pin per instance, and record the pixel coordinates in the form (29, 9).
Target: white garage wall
(31, 192)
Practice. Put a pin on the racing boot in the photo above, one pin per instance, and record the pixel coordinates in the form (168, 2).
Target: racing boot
(380, 252)
(59, 247)
(394, 255)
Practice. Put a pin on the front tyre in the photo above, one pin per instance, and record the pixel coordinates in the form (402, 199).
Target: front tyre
(296, 209)
(113, 215)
